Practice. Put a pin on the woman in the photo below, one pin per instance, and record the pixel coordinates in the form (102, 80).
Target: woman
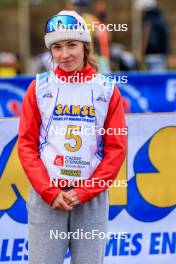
(79, 160)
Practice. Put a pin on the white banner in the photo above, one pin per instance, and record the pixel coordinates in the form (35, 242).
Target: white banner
(144, 212)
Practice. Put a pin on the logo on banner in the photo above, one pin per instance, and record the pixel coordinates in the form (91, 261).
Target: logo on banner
(11, 97)
(133, 100)
(14, 185)
(151, 191)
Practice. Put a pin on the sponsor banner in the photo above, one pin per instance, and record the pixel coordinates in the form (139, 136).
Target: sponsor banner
(149, 214)
(12, 91)
(142, 92)
(144, 212)
(149, 92)
(14, 188)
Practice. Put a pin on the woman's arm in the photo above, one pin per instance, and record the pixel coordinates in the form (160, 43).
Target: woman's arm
(114, 151)
(28, 143)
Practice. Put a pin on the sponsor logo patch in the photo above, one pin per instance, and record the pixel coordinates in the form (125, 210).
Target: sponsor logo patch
(59, 160)
(71, 172)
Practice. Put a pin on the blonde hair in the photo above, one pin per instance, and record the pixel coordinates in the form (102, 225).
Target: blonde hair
(89, 57)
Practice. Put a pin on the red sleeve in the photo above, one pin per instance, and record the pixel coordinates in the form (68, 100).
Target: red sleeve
(28, 143)
(114, 151)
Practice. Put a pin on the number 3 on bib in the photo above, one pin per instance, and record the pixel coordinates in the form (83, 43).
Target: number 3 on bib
(77, 138)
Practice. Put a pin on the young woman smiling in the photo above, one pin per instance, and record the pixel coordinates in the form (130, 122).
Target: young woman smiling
(69, 207)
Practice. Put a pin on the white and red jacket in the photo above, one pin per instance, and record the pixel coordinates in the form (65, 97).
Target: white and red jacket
(50, 104)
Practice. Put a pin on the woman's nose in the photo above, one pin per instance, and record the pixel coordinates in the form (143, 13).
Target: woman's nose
(65, 53)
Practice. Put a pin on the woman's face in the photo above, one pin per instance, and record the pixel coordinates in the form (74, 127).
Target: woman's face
(69, 54)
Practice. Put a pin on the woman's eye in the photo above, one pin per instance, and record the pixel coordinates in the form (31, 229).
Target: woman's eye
(56, 47)
(72, 45)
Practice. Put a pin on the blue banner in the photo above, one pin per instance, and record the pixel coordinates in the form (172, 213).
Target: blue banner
(142, 92)
(149, 92)
(12, 91)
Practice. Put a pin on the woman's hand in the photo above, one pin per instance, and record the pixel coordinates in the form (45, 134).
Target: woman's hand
(66, 200)
(63, 201)
(74, 197)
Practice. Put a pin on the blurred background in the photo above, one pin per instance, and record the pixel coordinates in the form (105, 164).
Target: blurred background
(138, 49)
(143, 28)
(141, 54)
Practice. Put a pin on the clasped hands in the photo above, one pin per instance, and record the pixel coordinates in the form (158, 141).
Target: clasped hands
(66, 200)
